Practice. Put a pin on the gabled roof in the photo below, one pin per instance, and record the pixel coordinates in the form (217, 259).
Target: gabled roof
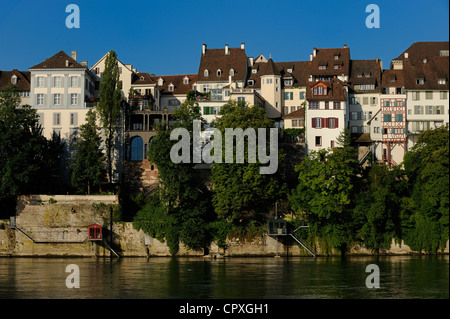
(327, 57)
(300, 71)
(58, 61)
(420, 50)
(215, 59)
(23, 79)
(430, 70)
(335, 91)
(365, 72)
(177, 81)
(142, 78)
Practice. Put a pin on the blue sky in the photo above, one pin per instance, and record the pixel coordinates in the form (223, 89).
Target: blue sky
(165, 37)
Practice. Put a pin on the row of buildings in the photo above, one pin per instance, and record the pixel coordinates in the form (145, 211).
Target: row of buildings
(384, 108)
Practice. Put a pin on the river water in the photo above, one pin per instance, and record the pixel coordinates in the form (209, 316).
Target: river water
(242, 278)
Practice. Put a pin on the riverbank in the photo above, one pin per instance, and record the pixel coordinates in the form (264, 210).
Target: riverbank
(57, 226)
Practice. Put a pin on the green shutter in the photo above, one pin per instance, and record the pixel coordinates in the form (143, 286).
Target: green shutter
(292, 95)
(387, 117)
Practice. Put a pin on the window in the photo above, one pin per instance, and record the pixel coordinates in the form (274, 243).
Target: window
(40, 99)
(171, 88)
(441, 81)
(376, 129)
(73, 118)
(232, 72)
(399, 117)
(322, 67)
(57, 119)
(302, 95)
(41, 119)
(353, 100)
(40, 81)
(57, 81)
(137, 149)
(443, 95)
(420, 81)
(314, 105)
(416, 96)
(186, 81)
(332, 122)
(174, 102)
(438, 109)
(373, 100)
(327, 105)
(219, 72)
(206, 73)
(418, 109)
(354, 129)
(365, 100)
(317, 122)
(74, 81)
(289, 70)
(318, 140)
(354, 115)
(387, 117)
(250, 82)
(336, 57)
(205, 88)
(294, 123)
(288, 82)
(74, 99)
(332, 143)
(428, 95)
(337, 105)
(289, 95)
(337, 66)
(57, 99)
(254, 71)
(14, 79)
(429, 109)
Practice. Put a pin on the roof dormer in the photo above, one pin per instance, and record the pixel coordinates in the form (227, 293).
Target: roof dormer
(14, 79)
(171, 87)
(160, 82)
(185, 80)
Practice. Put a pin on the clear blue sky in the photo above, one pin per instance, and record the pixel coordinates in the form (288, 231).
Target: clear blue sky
(165, 37)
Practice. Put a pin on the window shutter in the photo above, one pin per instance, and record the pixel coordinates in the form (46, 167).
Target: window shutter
(292, 95)
(322, 120)
(336, 122)
(313, 124)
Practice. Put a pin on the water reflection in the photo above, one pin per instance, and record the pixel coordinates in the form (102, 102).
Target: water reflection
(400, 277)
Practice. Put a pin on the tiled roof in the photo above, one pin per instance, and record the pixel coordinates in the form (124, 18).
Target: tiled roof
(434, 69)
(23, 79)
(215, 59)
(335, 91)
(270, 68)
(326, 57)
(300, 113)
(393, 78)
(58, 61)
(142, 78)
(420, 50)
(300, 71)
(365, 72)
(177, 81)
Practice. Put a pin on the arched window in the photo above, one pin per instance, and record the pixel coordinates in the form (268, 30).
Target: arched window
(219, 72)
(137, 149)
(232, 72)
(206, 73)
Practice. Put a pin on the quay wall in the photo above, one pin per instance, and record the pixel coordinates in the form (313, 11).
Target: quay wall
(47, 226)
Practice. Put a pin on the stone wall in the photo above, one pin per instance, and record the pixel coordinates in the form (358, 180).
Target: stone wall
(57, 226)
(140, 175)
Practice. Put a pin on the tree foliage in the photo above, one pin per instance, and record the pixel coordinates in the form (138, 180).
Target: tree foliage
(88, 159)
(109, 106)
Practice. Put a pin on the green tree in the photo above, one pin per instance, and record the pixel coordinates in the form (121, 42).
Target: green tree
(325, 192)
(88, 160)
(379, 205)
(185, 199)
(21, 145)
(241, 193)
(109, 107)
(426, 219)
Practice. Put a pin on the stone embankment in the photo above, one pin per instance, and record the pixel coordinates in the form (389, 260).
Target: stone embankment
(47, 226)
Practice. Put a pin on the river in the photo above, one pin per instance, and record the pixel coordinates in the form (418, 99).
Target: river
(255, 278)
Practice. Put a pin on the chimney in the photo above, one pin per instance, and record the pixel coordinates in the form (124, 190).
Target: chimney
(345, 45)
(242, 45)
(250, 61)
(227, 51)
(310, 57)
(406, 55)
(203, 49)
(74, 55)
(84, 63)
(314, 52)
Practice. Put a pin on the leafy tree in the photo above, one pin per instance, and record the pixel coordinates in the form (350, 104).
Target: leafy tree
(426, 219)
(109, 106)
(21, 144)
(325, 192)
(379, 205)
(186, 201)
(241, 193)
(88, 160)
